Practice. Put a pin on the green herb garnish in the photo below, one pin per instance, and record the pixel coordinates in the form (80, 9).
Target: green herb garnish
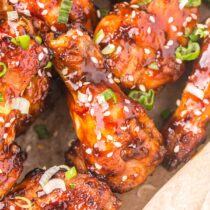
(72, 172)
(109, 94)
(4, 69)
(146, 99)
(66, 6)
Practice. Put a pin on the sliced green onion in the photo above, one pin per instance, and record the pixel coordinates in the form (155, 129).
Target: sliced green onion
(27, 205)
(66, 6)
(154, 66)
(198, 33)
(72, 185)
(49, 65)
(190, 3)
(38, 39)
(4, 69)
(104, 12)
(42, 131)
(144, 2)
(22, 41)
(166, 114)
(146, 99)
(190, 53)
(109, 94)
(1, 97)
(12, 15)
(70, 173)
(109, 49)
(99, 36)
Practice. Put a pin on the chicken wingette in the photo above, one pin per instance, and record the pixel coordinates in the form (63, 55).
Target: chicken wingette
(186, 129)
(24, 85)
(139, 41)
(47, 14)
(62, 191)
(119, 143)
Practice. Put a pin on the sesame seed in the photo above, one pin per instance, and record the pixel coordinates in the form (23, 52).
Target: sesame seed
(130, 78)
(65, 71)
(170, 43)
(188, 19)
(147, 51)
(44, 12)
(94, 60)
(170, 20)
(1, 119)
(176, 149)
(137, 129)
(98, 136)
(152, 19)
(124, 178)
(149, 30)
(127, 101)
(107, 113)
(88, 151)
(133, 14)
(41, 56)
(194, 16)
(99, 167)
(41, 5)
(109, 137)
(109, 154)
(179, 33)
(142, 88)
(7, 125)
(98, 13)
(134, 6)
(179, 61)
(126, 109)
(178, 102)
(197, 112)
(5, 135)
(117, 144)
(174, 28)
(123, 128)
(53, 28)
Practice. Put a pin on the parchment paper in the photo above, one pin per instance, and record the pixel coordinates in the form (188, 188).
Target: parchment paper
(46, 153)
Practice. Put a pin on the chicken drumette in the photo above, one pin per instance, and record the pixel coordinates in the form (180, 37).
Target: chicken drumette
(139, 41)
(23, 87)
(78, 192)
(118, 141)
(46, 14)
(185, 130)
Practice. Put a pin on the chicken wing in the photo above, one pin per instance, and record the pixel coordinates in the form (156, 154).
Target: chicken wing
(82, 13)
(185, 130)
(23, 87)
(118, 141)
(139, 42)
(79, 192)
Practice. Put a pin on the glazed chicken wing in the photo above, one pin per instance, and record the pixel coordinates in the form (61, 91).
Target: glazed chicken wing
(185, 130)
(82, 13)
(82, 192)
(23, 87)
(139, 42)
(118, 141)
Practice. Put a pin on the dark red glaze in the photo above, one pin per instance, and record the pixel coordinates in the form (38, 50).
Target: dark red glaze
(186, 129)
(87, 193)
(82, 13)
(118, 141)
(25, 78)
(143, 36)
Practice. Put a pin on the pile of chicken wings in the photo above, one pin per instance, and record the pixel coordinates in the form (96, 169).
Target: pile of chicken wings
(112, 67)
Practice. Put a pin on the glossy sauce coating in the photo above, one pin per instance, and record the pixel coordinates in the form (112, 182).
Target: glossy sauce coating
(144, 36)
(83, 192)
(118, 141)
(186, 129)
(25, 78)
(82, 13)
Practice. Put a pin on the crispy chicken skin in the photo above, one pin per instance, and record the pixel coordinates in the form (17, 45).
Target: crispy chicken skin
(119, 142)
(21, 81)
(144, 36)
(82, 13)
(185, 131)
(88, 193)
